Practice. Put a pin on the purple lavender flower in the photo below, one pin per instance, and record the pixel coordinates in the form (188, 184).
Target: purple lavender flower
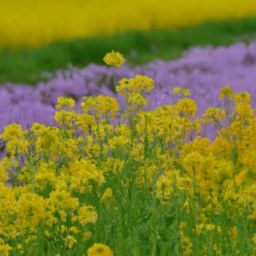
(202, 70)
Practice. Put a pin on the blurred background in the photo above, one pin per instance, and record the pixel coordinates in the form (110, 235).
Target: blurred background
(39, 37)
(52, 48)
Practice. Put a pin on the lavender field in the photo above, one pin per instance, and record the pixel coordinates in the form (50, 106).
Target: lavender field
(203, 71)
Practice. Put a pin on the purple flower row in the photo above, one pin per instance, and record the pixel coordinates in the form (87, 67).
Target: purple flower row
(202, 70)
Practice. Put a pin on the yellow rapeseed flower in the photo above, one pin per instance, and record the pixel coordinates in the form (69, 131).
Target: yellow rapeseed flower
(65, 102)
(115, 59)
(99, 250)
(181, 91)
(226, 92)
(5, 249)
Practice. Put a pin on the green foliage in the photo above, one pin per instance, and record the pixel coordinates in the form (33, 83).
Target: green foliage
(28, 66)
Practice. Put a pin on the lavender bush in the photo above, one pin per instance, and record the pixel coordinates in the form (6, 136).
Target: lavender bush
(203, 71)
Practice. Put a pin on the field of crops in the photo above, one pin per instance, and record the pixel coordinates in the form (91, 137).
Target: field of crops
(41, 22)
(115, 178)
(127, 128)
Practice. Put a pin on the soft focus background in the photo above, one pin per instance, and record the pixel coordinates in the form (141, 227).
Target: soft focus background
(29, 23)
(49, 48)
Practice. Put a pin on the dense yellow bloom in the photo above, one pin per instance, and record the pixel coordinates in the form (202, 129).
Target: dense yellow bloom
(133, 89)
(65, 102)
(99, 250)
(243, 98)
(5, 249)
(138, 84)
(28, 25)
(9, 228)
(45, 176)
(186, 106)
(245, 111)
(84, 173)
(31, 208)
(92, 166)
(11, 132)
(115, 59)
(100, 106)
(84, 122)
(62, 200)
(87, 214)
(3, 174)
(214, 115)
(15, 138)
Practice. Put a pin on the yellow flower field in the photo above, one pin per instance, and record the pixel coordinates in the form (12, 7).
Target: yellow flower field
(116, 180)
(30, 23)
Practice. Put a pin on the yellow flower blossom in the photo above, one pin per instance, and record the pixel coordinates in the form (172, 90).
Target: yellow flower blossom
(115, 59)
(65, 102)
(87, 214)
(70, 241)
(182, 91)
(5, 249)
(99, 250)
(226, 92)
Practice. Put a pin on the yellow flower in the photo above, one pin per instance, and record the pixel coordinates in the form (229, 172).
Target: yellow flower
(107, 194)
(73, 230)
(3, 174)
(178, 90)
(5, 249)
(11, 132)
(115, 59)
(186, 107)
(86, 215)
(241, 177)
(226, 92)
(243, 98)
(138, 84)
(65, 102)
(214, 115)
(70, 241)
(99, 250)
(99, 106)
(244, 111)
(31, 208)
(133, 90)
(65, 118)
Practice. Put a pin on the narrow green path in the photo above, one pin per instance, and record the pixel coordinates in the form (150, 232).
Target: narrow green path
(27, 66)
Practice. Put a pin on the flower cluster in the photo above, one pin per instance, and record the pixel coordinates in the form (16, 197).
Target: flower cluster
(203, 71)
(114, 179)
(115, 59)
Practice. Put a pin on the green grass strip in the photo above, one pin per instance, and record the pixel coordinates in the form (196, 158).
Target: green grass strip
(27, 66)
